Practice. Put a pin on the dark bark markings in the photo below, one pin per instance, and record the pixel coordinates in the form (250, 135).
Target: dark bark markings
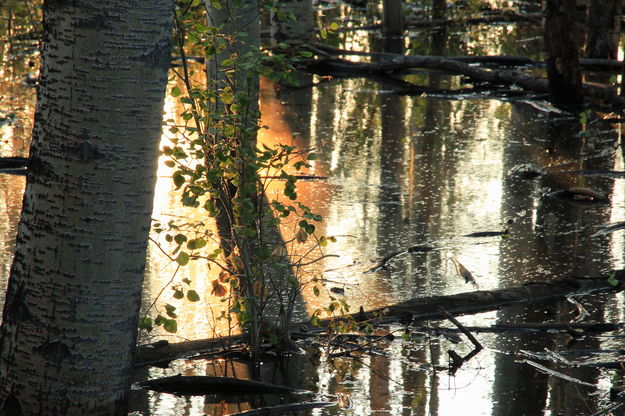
(70, 319)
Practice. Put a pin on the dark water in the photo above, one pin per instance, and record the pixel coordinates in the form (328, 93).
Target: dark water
(407, 170)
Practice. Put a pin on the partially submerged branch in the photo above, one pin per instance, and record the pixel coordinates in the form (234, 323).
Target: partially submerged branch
(456, 360)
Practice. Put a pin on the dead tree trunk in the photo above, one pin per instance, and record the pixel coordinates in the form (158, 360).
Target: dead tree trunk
(392, 22)
(565, 80)
(603, 26)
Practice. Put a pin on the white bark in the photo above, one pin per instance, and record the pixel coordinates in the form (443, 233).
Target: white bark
(70, 319)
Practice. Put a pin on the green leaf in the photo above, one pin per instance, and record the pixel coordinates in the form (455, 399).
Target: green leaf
(316, 290)
(159, 320)
(180, 238)
(169, 309)
(314, 320)
(196, 244)
(170, 325)
(334, 26)
(146, 323)
(323, 33)
(178, 294)
(612, 279)
(183, 258)
(178, 179)
(193, 296)
(175, 92)
(306, 54)
(170, 163)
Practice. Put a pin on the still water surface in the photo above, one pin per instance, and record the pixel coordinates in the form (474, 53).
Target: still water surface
(404, 171)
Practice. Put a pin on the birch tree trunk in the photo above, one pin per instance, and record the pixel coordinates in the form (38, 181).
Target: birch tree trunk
(71, 313)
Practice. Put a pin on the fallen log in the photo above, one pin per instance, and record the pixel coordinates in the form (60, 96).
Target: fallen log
(13, 165)
(589, 64)
(162, 352)
(536, 327)
(420, 309)
(202, 385)
(387, 62)
(491, 18)
(283, 409)
(413, 311)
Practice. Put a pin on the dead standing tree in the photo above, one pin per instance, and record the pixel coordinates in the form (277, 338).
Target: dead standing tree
(563, 71)
(603, 25)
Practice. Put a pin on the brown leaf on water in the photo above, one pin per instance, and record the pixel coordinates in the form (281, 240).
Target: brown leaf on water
(464, 273)
(219, 290)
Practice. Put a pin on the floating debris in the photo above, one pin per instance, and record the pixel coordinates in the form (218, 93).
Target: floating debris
(580, 195)
(557, 374)
(464, 273)
(526, 172)
(607, 229)
(337, 290)
(487, 234)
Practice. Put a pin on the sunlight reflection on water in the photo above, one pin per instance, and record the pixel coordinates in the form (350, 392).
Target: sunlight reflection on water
(405, 171)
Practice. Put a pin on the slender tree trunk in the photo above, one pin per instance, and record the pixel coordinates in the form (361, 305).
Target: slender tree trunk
(70, 319)
(603, 27)
(565, 80)
(392, 19)
(239, 23)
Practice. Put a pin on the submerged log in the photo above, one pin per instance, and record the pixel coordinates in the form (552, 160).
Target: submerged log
(202, 385)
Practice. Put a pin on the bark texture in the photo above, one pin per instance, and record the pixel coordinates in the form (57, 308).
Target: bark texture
(561, 44)
(70, 318)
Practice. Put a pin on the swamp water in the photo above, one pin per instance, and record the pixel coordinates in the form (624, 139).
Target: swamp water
(403, 171)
